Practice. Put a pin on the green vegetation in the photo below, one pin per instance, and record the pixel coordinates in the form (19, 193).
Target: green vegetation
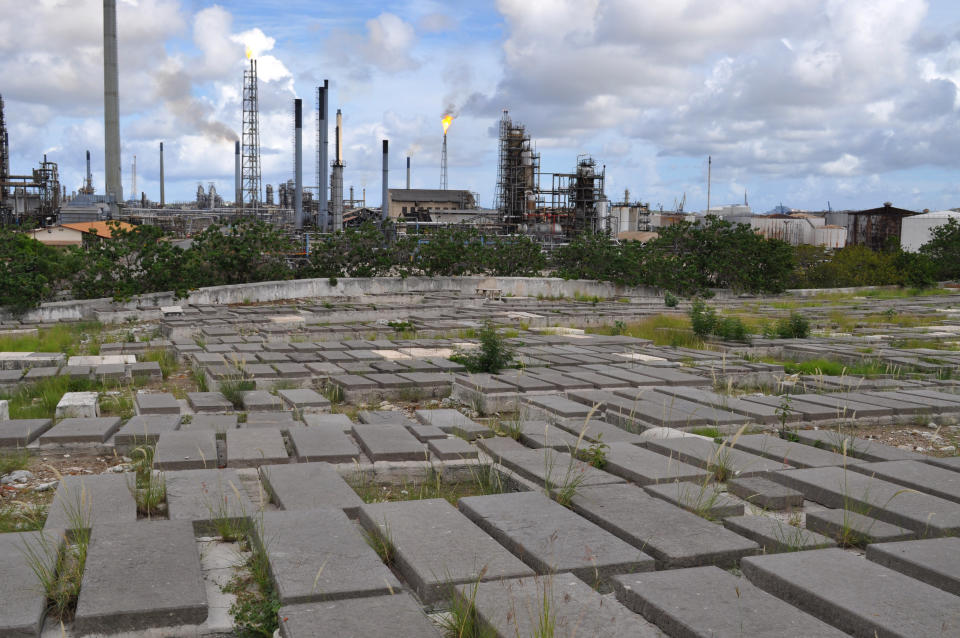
(64, 337)
(709, 432)
(462, 620)
(255, 609)
(484, 479)
(380, 540)
(39, 400)
(662, 330)
(233, 389)
(596, 453)
(166, 359)
(22, 517)
(834, 368)
(704, 322)
(794, 327)
(492, 356)
(12, 460)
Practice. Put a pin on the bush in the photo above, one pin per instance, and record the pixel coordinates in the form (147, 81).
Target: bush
(703, 319)
(492, 356)
(794, 327)
(731, 329)
(669, 300)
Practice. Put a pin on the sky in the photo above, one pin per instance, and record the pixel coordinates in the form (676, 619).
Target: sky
(808, 103)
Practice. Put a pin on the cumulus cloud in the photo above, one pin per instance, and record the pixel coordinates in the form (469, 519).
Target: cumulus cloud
(386, 46)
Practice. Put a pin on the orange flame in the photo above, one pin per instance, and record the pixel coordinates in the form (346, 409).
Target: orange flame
(446, 121)
(249, 53)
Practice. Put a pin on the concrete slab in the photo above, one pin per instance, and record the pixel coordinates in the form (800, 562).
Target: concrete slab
(700, 498)
(304, 486)
(209, 402)
(84, 501)
(78, 405)
(453, 422)
(436, 546)
(645, 467)
(378, 617)
(304, 399)
(765, 493)
(319, 555)
(550, 538)
(156, 403)
(426, 432)
(261, 400)
(186, 450)
(857, 448)
(317, 443)
(756, 412)
(451, 449)
(146, 429)
(950, 463)
(173, 595)
(855, 528)
(598, 430)
(674, 537)
(22, 605)
(935, 561)
(773, 447)
(829, 584)
(837, 488)
(915, 475)
(20, 432)
(540, 434)
(711, 456)
(775, 535)
(512, 608)
(219, 423)
(77, 430)
(253, 447)
(389, 443)
(547, 466)
(341, 421)
(203, 495)
(282, 421)
(384, 417)
(702, 602)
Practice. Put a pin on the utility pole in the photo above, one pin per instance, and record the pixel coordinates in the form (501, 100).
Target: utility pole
(709, 169)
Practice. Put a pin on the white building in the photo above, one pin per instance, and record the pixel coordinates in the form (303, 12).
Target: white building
(917, 230)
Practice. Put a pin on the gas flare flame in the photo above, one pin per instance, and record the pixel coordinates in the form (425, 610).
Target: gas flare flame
(446, 121)
(249, 53)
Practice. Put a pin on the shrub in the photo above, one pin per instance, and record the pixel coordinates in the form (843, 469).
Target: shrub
(703, 319)
(794, 327)
(731, 329)
(669, 300)
(492, 356)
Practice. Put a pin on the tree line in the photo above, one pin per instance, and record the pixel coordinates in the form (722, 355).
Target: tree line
(687, 259)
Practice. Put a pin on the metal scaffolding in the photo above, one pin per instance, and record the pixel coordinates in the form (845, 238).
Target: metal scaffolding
(250, 179)
(518, 175)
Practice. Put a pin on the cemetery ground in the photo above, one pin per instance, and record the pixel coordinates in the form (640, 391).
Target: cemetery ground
(332, 468)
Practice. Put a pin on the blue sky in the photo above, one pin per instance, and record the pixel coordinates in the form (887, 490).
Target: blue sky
(802, 102)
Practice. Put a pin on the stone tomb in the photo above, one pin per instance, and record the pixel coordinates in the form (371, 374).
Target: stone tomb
(303, 486)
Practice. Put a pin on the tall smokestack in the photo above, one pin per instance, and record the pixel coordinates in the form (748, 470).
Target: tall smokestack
(336, 182)
(298, 162)
(408, 172)
(323, 185)
(111, 101)
(88, 187)
(238, 177)
(385, 195)
(162, 198)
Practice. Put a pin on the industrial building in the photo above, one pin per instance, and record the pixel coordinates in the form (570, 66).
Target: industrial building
(418, 203)
(795, 229)
(917, 230)
(875, 228)
(76, 234)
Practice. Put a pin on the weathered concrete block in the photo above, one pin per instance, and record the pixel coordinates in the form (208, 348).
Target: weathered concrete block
(20, 432)
(765, 493)
(546, 465)
(219, 423)
(774, 535)
(156, 403)
(708, 601)
(145, 429)
(853, 527)
(915, 475)
(186, 450)
(255, 447)
(377, 617)
(437, 546)
(201, 496)
(170, 593)
(389, 443)
(303, 486)
(829, 584)
(645, 467)
(341, 421)
(78, 405)
(261, 400)
(935, 561)
(709, 455)
(453, 422)
(23, 603)
(304, 400)
(208, 402)
(796, 454)
(550, 538)
(426, 432)
(84, 501)
(700, 498)
(451, 449)
(81, 431)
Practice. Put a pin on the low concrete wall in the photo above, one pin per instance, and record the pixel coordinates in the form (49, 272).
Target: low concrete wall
(323, 289)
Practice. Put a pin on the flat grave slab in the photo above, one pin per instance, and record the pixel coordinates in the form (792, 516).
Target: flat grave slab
(807, 411)
(855, 527)
(935, 561)
(453, 422)
(558, 405)
(253, 447)
(772, 446)
(384, 417)
(829, 584)
(915, 475)
(341, 421)
(550, 466)
(388, 443)
(864, 449)
(845, 408)
(775, 536)
(451, 449)
(261, 400)
(512, 607)
(282, 421)
(81, 430)
(23, 607)
(437, 546)
(208, 402)
(316, 443)
(708, 601)
(84, 501)
(756, 412)
(950, 463)
(700, 498)
(707, 454)
(319, 555)
(426, 432)
(20, 432)
(304, 486)
(765, 493)
(550, 538)
(304, 399)
(142, 429)
(146, 369)
(377, 617)
(202, 495)
(645, 467)
(559, 380)
(173, 594)
(674, 537)
(186, 450)
(78, 405)
(216, 422)
(156, 403)
(836, 488)
(291, 370)
(597, 430)
(540, 434)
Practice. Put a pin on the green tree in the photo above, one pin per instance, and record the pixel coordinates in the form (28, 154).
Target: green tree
(517, 256)
(29, 272)
(943, 250)
(247, 251)
(354, 252)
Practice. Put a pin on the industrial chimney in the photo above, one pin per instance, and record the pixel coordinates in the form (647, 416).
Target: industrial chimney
(162, 199)
(336, 182)
(298, 162)
(323, 185)
(238, 183)
(384, 206)
(88, 186)
(408, 172)
(111, 101)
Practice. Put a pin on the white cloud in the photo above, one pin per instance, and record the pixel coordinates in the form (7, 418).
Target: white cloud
(844, 165)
